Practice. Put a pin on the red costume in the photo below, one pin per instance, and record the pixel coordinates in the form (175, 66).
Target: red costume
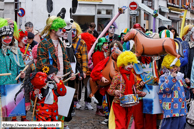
(97, 57)
(47, 107)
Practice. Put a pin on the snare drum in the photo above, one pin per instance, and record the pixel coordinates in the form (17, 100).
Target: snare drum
(129, 100)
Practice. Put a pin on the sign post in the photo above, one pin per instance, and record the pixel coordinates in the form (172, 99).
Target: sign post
(133, 6)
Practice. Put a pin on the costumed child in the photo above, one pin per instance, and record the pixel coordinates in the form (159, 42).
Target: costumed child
(22, 41)
(172, 96)
(47, 92)
(120, 116)
(10, 56)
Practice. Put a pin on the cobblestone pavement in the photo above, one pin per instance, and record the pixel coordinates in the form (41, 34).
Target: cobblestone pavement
(86, 119)
(83, 119)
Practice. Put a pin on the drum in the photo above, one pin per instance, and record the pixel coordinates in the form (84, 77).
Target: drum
(129, 100)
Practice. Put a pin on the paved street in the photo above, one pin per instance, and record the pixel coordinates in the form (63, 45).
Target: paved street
(84, 119)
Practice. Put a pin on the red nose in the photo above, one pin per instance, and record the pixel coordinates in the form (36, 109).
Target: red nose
(64, 30)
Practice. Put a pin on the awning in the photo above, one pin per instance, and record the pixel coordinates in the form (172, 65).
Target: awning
(164, 9)
(165, 20)
(174, 18)
(175, 9)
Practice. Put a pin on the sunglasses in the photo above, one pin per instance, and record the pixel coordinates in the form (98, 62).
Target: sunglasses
(112, 27)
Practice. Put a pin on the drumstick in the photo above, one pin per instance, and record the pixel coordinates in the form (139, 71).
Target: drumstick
(65, 74)
(22, 71)
(5, 74)
(26, 49)
(34, 107)
(70, 78)
(146, 82)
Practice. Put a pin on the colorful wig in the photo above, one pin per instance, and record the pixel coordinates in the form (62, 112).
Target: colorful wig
(34, 51)
(89, 39)
(53, 23)
(186, 29)
(78, 28)
(100, 43)
(125, 58)
(22, 34)
(3, 22)
(168, 59)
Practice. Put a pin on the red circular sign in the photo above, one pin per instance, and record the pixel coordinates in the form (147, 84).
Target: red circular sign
(133, 5)
(21, 12)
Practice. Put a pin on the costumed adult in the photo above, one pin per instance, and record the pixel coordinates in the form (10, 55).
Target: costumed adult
(111, 36)
(81, 53)
(11, 57)
(100, 53)
(122, 84)
(51, 49)
(96, 75)
(75, 67)
(22, 41)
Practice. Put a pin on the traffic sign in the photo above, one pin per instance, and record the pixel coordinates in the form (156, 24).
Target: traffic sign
(132, 12)
(133, 6)
(21, 12)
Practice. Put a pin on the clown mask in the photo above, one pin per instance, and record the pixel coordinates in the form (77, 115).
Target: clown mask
(24, 40)
(51, 76)
(60, 32)
(111, 29)
(128, 67)
(105, 46)
(6, 39)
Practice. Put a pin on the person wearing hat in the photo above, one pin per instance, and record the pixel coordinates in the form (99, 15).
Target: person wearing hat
(47, 92)
(11, 60)
(172, 96)
(30, 40)
(138, 27)
(161, 28)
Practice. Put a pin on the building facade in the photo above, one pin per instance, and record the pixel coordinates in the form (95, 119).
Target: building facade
(1, 8)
